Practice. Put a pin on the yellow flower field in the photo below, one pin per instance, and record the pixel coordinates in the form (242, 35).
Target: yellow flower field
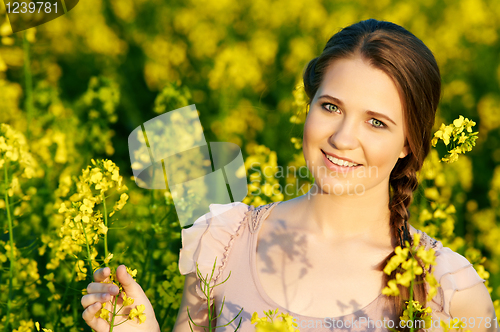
(73, 89)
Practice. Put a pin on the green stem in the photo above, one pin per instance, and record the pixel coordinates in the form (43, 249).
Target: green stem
(411, 301)
(126, 320)
(28, 101)
(207, 294)
(11, 239)
(88, 252)
(106, 224)
(151, 242)
(111, 325)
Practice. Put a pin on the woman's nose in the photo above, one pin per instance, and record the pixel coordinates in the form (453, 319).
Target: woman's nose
(344, 136)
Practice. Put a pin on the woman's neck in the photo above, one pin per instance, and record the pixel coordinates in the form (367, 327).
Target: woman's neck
(335, 217)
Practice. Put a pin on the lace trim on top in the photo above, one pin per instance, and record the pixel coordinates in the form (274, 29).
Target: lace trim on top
(260, 213)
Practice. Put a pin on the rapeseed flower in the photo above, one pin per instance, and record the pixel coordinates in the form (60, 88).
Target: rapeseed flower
(103, 313)
(37, 325)
(407, 265)
(269, 323)
(422, 313)
(138, 312)
(14, 150)
(127, 300)
(84, 224)
(460, 134)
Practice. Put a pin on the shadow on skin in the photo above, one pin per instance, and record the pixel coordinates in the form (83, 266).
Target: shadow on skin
(293, 246)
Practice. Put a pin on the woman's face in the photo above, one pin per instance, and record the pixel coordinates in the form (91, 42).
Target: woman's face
(357, 115)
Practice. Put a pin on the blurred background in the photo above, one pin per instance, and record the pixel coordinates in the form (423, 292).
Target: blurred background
(77, 86)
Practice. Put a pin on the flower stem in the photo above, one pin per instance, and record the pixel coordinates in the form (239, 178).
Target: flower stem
(410, 310)
(105, 224)
(11, 239)
(112, 323)
(28, 101)
(88, 252)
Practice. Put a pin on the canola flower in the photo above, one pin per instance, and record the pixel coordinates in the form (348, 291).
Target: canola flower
(263, 171)
(109, 316)
(15, 159)
(270, 323)
(14, 150)
(43, 329)
(406, 263)
(415, 308)
(84, 224)
(458, 135)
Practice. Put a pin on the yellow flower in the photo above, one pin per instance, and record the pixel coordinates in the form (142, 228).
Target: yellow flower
(127, 300)
(416, 238)
(427, 256)
(418, 313)
(412, 265)
(256, 318)
(404, 279)
(103, 313)
(138, 312)
(391, 289)
(109, 258)
(458, 122)
(133, 272)
(269, 324)
(394, 262)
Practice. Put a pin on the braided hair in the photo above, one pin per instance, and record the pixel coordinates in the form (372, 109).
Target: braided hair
(414, 70)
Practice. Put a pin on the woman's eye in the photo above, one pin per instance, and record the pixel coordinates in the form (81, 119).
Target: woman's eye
(377, 123)
(325, 105)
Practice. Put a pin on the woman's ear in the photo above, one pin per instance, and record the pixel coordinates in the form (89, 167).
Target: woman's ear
(404, 152)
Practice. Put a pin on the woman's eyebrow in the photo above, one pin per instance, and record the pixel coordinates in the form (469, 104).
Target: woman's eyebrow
(372, 113)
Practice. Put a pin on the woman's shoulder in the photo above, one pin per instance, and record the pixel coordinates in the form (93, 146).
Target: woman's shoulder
(447, 260)
(207, 242)
(452, 271)
(210, 234)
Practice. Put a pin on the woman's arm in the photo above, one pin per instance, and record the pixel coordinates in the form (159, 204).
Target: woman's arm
(474, 306)
(190, 298)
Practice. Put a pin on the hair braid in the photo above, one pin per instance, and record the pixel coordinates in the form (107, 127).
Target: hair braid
(403, 188)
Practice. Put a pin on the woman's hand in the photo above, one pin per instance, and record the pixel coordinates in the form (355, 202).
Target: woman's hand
(98, 293)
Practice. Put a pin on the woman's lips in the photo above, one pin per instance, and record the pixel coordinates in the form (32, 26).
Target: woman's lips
(334, 167)
(341, 158)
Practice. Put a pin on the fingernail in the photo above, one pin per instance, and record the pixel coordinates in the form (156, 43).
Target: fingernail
(113, 289)
(104, 296)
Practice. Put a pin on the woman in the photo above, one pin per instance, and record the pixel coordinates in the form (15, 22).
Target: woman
(373, 94)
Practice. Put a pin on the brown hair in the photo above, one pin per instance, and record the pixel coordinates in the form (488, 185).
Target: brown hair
(414, 70)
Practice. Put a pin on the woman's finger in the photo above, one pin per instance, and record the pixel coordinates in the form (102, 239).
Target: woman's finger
(97, 287)
(101, 274)
(89, 315)
(130, 286)
(91, 299)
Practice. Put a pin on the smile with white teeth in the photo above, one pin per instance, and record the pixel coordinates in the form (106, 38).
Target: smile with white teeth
(340, 162)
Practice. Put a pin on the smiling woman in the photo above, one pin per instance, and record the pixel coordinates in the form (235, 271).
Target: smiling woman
(320, 257)
(351, 134)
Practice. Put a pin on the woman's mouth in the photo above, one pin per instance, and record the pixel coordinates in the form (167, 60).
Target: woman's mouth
(339, 164)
